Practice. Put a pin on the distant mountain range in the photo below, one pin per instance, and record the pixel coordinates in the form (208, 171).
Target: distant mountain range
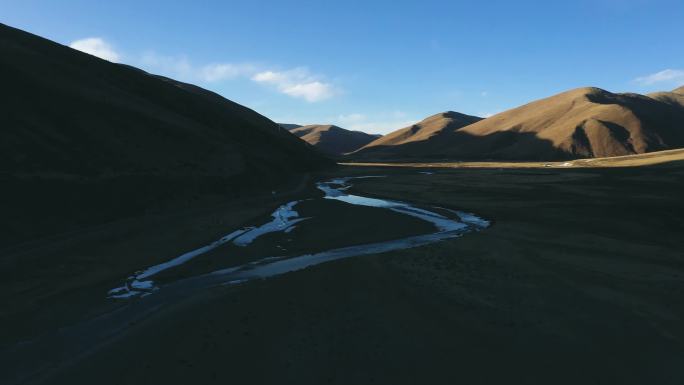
(581, 123)
(84, 140)
(419, 137)
(330, 139)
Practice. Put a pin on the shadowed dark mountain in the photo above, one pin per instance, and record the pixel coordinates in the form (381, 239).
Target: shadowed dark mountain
(84, 140)
(581, 123)
(289, 126)
(468, 146)
(333, 140)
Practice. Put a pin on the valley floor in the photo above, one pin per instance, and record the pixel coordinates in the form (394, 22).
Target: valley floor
(579, 280)
(646, 159)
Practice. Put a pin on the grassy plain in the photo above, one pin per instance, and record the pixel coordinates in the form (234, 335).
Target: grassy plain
(579, 280)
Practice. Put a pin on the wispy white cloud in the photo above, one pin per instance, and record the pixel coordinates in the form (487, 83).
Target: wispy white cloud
(225, 71)
(351, 118)
(172, 66)
(269, 77)
(396, 114)
(667, 76)
(382, 123)
(96, 46)
(298, 83)
(181, 68)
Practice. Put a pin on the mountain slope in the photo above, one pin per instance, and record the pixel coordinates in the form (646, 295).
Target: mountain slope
(585, 122)
(333, 140)
(427, 128)
(289, 126)
(675, 97)
(108, 140)
(417, 138)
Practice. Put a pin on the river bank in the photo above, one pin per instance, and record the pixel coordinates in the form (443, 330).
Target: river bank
(578, 281)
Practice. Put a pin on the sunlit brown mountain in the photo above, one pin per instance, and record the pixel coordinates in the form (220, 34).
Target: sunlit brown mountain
(419, 136)
(86, 140)
(581, 123)
(333, 140)
(675, 97)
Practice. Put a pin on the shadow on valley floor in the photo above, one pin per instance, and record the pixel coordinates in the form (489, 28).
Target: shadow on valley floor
(579, 281)
(463, 146)
(36, 207)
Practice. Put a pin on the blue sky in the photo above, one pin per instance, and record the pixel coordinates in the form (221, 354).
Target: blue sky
(377, 65)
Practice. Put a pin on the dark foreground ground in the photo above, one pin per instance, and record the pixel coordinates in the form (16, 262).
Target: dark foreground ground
(579, 281)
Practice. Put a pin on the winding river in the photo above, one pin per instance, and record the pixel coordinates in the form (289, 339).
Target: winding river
(447, 224)
(141, 296)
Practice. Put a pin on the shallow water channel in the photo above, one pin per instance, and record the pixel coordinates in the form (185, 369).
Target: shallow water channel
(285, 243)
(447, 224)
